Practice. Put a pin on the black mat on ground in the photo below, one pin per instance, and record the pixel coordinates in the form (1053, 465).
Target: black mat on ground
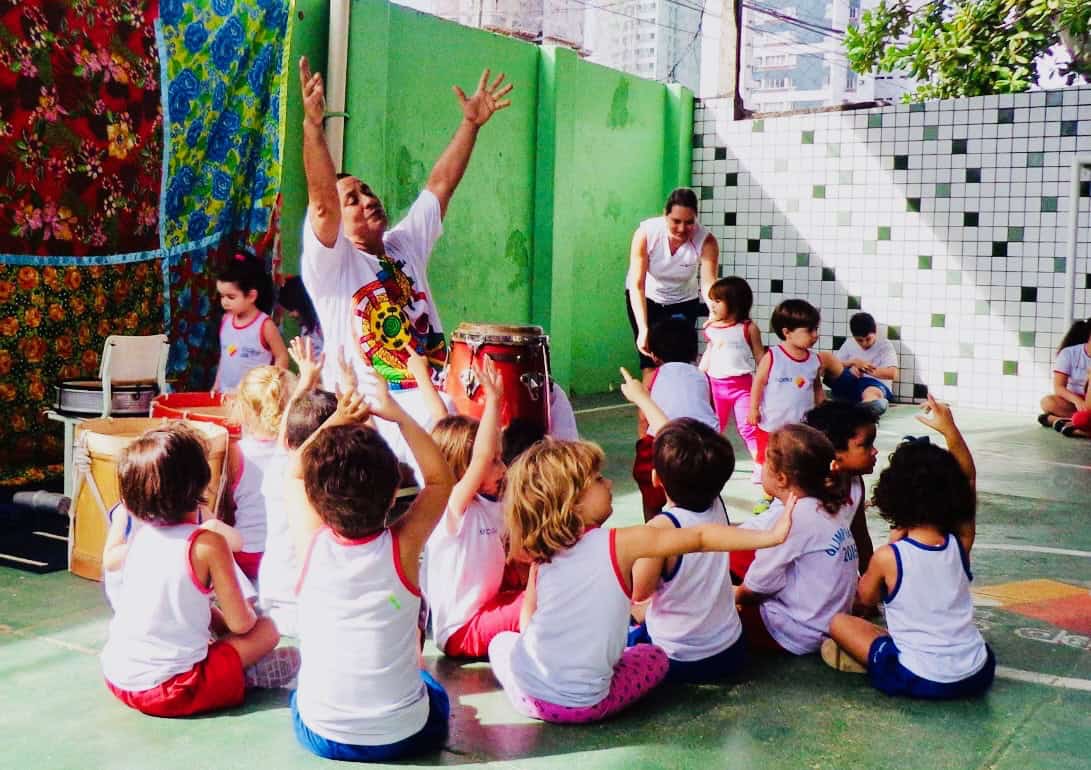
(31, 540)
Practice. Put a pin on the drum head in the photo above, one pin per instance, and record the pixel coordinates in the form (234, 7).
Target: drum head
(96, 386)
(498, 334)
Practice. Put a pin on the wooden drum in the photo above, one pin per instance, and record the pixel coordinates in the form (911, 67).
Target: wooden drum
(201, 406)
(521, 356)
(104, 439)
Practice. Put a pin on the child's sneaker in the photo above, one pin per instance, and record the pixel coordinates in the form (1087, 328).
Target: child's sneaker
(276, 669)
(838, 659)
(763, 505)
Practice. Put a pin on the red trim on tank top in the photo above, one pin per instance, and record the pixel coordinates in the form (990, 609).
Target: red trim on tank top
(613, 562)
(190, 541)
(249, 323)
(415, 590)
(793, 358)
(261, 334)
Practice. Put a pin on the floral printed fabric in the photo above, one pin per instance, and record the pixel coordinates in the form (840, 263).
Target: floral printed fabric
(223, 69)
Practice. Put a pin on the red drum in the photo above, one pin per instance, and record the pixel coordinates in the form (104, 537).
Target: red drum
(520, 354)
(201, 406)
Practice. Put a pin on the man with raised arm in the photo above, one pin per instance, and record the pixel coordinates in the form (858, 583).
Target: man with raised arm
(369, 284)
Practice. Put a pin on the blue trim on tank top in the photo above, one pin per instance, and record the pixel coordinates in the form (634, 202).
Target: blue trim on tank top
(678, 565)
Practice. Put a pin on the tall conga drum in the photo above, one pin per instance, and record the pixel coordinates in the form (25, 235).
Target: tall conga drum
(104, 439)
(200, 406)
(521, 356)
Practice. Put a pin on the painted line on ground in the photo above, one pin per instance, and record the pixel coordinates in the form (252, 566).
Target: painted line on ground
(1033, 677)
(602, 408)
(1033, 549)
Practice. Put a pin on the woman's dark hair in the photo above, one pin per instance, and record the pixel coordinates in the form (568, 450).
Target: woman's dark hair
(839, 421)
(693, 462)
(736, 293)
(293, 297)
(924, 485)
(248, 273)
(350, 476)
(163, 475)
(805, 456)
(673, 340)
(681, 196)
(794, 314)
(1079, 334)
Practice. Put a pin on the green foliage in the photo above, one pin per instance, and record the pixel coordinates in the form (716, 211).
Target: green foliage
(956, 48)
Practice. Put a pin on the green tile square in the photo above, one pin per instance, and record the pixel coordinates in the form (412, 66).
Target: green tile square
(818, 191)
(931, 133)
(1059, 264)
(808, 137)
(871, 247)
(854, 303)
(954, 277)
(917, 107)
(965, 350)
(894, 290)
(950, 378)
(802, 259)
(883, 233)
(1011, 367)
(1026, 339)
(1036, 159)
(766, 231)
(758, 126)
(943, 189)
(1049, 204)
(924, 262)
(706, 193)
(1054, 99)
(912, 204)
(833, 151)
(939, 320)
(875, 120)
(1015, 235)
(894, 332)
(844, 218)
(981, 307)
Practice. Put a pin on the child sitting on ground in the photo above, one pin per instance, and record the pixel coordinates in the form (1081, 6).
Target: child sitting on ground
(362, 695)
(1068, 408)
(870, 366)
(930, 647)
(464, 559)
(734, 347)
(851, 429)
(569, 663)
(789, 593)
(787, 382)
(680, 389)
(157, 658)
(259, 406)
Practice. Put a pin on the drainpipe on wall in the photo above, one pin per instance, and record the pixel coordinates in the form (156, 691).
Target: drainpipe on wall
(1079, 163)
(336, 78)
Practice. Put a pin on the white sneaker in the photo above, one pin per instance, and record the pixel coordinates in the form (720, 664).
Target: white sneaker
(276, 669)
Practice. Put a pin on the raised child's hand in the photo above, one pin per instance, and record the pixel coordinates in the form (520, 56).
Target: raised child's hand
(633, 389)
(352, 408)
(346, 380)
(377, 392)
(937, 416)
(301, 350)
(490, 379)
(418, 366)
(783, 526)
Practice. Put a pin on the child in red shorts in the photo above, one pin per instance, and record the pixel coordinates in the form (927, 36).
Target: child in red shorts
(157, 658)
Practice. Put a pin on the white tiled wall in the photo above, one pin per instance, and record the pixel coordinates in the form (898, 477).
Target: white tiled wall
(971, 282)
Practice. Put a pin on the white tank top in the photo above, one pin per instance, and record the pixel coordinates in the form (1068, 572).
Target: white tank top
(241, 349)
(789, 393)
(692, 615)
(930, 613)
(250, 511)
(671, 278)
(279, 570)
(464, 570)
(811, 576)
(683, 390)
(566, 656)
(359, 682)
(161, 612)
(729, 349)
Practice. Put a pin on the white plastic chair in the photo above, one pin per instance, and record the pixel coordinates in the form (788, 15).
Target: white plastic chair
(132, 359)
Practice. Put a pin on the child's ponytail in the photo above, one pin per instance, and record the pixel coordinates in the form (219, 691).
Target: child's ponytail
(262, 398)
(806, 456)
(1079, 334)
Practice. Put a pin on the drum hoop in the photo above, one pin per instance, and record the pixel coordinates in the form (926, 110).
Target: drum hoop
(498, 334)
(86, 386)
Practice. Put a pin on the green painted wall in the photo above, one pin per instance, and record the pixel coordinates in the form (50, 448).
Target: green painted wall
(539, 229)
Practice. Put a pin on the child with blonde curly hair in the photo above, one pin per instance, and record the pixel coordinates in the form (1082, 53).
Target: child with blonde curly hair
(568, 663)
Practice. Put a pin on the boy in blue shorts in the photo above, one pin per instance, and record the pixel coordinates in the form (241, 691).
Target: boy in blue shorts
(868, 368)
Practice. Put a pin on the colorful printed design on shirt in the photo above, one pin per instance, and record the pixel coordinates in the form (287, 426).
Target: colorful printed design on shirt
(232, 350)
(800, 382)
(386, 332)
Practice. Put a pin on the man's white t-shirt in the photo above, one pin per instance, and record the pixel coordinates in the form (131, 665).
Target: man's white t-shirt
(879, 355)
(1074, 362)
(378, 306)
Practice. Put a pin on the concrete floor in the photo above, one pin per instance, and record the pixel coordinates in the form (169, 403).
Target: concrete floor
(1033, 574)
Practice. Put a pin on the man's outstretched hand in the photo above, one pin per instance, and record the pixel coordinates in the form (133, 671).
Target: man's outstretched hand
(314, 93)
(487, 99)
